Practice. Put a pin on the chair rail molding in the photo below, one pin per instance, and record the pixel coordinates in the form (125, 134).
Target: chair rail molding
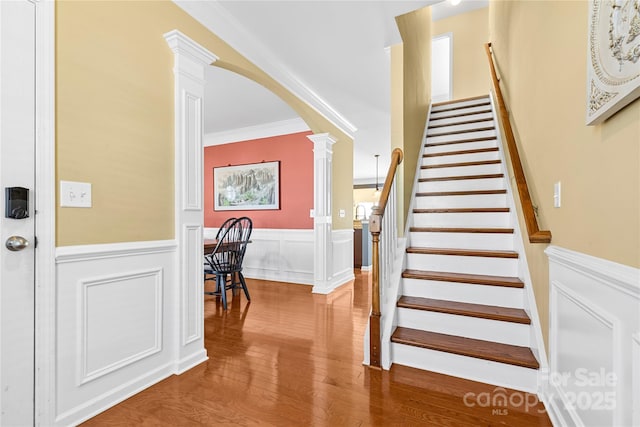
(190, 60)
(594, 320)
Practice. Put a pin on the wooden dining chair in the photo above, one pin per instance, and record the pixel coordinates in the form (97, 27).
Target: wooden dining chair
(224, 263)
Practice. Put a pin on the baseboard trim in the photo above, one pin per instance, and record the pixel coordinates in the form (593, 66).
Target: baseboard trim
(192, 361)
(107, 400)
(334, 283)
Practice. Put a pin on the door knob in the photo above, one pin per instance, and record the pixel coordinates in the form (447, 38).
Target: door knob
(16, 243)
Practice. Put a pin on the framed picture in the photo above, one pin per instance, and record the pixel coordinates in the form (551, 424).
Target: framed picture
(613, 69)
(247, 187)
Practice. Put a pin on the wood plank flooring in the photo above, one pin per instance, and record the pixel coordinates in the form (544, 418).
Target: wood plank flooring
(293, 358)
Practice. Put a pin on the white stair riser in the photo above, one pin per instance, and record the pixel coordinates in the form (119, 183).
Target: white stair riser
(463, 264)
(465, 326)
(437, 114)
(490, 143)
(461, 136)
(463, 185)
(459, 104)
(463, 127)
(456, 120)
(459, 158)
(467, 219)
(490, 241)
(464, 292)
(489, 372)
(461, 170)
(464, 201)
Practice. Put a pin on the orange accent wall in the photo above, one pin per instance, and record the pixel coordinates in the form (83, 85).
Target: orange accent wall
(295, 153)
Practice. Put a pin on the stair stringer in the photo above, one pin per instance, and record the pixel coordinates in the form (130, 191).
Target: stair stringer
(389, 312)
(536, 340)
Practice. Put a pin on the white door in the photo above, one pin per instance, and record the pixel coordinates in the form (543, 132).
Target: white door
(17, 156)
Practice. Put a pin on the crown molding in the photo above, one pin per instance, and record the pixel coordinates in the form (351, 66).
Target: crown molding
(265, 130)
(215, 17)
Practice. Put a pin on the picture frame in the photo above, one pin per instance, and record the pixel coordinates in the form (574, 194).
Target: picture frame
(613, 69)
(254, 186)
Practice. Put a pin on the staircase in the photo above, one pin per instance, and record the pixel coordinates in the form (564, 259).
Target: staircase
(463, 309)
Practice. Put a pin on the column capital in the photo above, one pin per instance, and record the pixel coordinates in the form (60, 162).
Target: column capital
(190, 58)
(322, 141)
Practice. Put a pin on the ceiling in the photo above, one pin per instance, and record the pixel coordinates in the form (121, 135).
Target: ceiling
(332, 54)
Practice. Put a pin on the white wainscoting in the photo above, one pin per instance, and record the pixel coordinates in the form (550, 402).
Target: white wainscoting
(342, 261)
(279, 255)
(593, 343)
(115, 329)
(287, 256)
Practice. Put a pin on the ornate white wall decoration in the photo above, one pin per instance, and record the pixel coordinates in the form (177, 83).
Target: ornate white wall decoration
(613, 71)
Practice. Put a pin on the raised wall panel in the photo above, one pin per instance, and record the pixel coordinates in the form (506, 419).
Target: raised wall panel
(278, 254)
(192, 296)
(586, 344)
(295, 256)
(192, 181)
(594, 325)
(107, 341)
(114, 325)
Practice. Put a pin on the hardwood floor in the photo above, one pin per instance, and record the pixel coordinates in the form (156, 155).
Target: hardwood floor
(293, 358)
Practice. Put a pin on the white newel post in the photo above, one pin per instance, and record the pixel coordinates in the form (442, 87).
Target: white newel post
(322, 171)
(190, 60)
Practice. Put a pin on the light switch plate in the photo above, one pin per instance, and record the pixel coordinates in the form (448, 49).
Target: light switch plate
(311, 213)
(557, 195)
(75, 194)
(342, 213)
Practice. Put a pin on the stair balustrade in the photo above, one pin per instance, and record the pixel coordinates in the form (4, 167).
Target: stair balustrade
(384, 233)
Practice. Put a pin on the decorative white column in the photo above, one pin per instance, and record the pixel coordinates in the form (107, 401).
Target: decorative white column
(190, 61)
(322, 194)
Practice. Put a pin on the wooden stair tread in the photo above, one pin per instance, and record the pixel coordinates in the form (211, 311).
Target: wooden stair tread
(462, 107)
(458, 132)
(455, 101)
(456, 153)
(461, 141)
(472, 279)
(464, 122)
(463, 252)
(487, 350)
(461, 164)
(461, 230)
(460, 193)
(491, 312)
(462, 210)
(462, 177)
(452, 115)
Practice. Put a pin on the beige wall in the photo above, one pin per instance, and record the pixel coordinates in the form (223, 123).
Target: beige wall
(114, 107)
(470, 68)
(541, 49)
(416, 73)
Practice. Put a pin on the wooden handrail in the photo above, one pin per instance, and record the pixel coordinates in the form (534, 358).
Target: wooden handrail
(375, 227)
(535, 234)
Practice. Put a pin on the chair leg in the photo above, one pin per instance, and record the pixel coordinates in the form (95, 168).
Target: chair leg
(244, 286)
(223, 288)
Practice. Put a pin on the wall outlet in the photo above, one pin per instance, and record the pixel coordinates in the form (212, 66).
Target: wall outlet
(75, 194)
